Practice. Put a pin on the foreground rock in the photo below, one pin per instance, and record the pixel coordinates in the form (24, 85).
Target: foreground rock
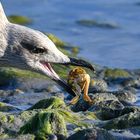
(105, 113)
(7, 108)
(97, 98)
(92, 134)
(129, 120)
(48, 118)
(50, 103)
(45, 123)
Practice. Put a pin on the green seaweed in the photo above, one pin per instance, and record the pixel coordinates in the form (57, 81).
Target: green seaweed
(93, 23)
(44, 124)
(57, 41)
(50, 103)
(19, 19)
(116, 73)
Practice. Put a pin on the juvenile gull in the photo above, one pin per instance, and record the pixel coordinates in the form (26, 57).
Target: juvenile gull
(29, 49)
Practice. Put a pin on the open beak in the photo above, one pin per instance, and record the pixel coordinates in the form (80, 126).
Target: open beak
(48, 70)
(80, 62)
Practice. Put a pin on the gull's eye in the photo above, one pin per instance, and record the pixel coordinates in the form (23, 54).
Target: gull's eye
(32, 48)
(38, 50)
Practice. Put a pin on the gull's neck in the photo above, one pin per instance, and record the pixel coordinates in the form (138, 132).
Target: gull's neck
(3, 18)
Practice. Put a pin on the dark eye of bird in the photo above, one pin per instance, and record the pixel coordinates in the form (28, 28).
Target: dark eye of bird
(32, 48)
(38, 50)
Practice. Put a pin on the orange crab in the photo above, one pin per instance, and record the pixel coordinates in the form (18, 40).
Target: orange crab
(79, 81)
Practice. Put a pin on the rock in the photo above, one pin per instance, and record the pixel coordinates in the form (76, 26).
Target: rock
(75, 50)
(109, 104)
(98, 97)
(129, 120)
(19, 19)
(105, 113)
(116, 73)
(94, 23)
(45, 123)
(131, 82)
(126, 134)
(98, 85)
(22, 137)
(82, 105)
(57, 41)
(116, 76)
(11, 76)
(7, 93)
(92, 134)
(125, 96)
(50, 103)
(7, 107)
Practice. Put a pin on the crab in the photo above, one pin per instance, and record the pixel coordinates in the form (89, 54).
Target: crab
(79, 81)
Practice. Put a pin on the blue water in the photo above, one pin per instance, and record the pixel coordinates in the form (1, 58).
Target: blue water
(109, 47)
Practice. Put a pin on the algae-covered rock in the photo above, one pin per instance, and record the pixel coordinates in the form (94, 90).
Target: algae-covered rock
(92, 134)
(129, 120)
(45, 123)
(11, 76)
(50, 103)
(116, 73)
(7, 108)
(95, 23)
(19, 19)
(64, 47)
(57, 41)
(4, 118)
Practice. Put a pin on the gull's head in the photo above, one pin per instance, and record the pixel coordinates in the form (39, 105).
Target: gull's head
(41, 52)
(24, 48)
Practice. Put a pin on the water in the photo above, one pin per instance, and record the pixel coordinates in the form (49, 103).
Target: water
(109, 47)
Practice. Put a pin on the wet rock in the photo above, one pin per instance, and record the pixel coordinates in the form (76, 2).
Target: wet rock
(95, 23)
(129, 120)
(7, 93)
(50, 103)
(131, 82)
(92, 134)
(125, 96)
(26, 100)
(7, 107)
(12, 77)
(98, 85)
(82, 105)
(45, 123)
(126, 134)
(110, 104)
(105, 113)
(116, 73)
(22, 137)
(116, 76)
(19, 19)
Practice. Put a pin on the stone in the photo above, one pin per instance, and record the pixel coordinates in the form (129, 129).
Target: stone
(92, 134)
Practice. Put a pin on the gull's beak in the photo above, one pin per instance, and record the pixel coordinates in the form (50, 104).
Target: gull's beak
(65, 86)
(80, 62)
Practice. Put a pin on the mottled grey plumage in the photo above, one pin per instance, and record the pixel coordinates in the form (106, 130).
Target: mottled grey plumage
(29, 49)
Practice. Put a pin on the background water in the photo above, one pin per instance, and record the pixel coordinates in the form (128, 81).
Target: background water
(109, 47)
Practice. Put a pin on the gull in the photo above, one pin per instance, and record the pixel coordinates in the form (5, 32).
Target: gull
(28, 49)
